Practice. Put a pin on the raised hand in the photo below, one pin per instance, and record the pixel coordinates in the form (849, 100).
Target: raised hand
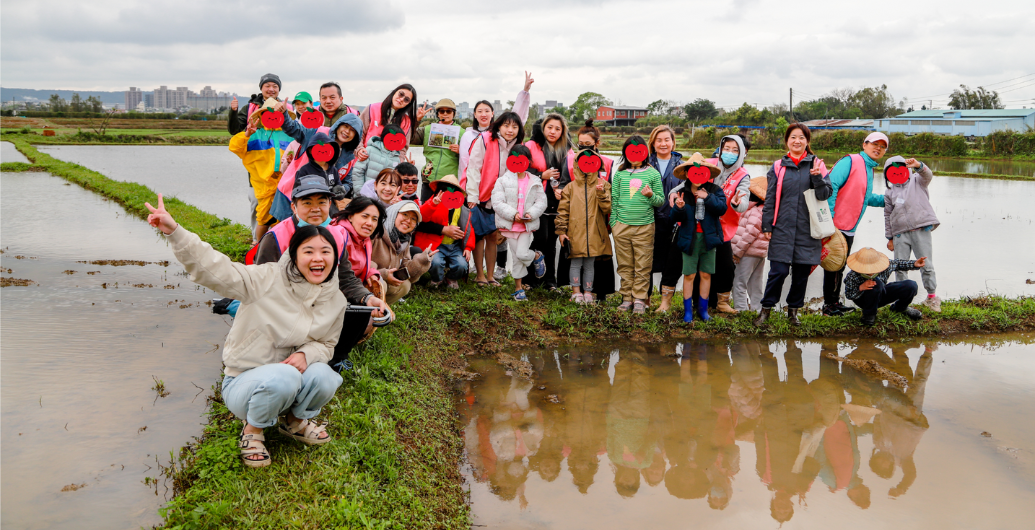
(160, 218)
(528, 81)
(233, 104)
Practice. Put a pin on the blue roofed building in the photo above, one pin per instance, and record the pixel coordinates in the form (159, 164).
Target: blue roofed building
(977, 122)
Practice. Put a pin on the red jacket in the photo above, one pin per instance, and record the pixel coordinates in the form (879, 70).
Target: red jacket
(439, 214)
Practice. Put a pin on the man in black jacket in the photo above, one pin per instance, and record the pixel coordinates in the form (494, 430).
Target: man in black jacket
(269, 87)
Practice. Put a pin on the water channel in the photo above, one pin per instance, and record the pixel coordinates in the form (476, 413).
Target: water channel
(755, 435)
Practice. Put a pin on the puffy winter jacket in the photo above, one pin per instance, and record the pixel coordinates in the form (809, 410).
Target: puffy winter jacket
(277, 316)
(378, 158)
(505, 199)
(746, 242)
(908, 206)
(261, 154)
(582, 216)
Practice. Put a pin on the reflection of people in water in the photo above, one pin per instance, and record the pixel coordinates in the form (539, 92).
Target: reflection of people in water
(787, 410)
(517, 429)
(900, 426)
(838, 451)
(586, 397)
(629, 445)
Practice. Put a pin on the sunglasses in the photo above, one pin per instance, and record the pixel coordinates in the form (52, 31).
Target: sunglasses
(410, 181)
(402, 95)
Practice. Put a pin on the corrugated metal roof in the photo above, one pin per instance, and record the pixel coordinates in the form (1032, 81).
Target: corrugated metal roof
(976, 113)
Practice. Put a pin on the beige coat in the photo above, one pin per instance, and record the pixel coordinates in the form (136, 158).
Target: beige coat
(277, 317)
(582, 216)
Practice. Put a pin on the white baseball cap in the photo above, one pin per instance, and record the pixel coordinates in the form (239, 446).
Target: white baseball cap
(874, 136)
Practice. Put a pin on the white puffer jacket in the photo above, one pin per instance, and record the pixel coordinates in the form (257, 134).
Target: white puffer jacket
(277, 316)
(505, 199)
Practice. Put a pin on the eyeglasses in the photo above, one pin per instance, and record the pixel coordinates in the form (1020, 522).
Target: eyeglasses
(876, 145)
(410, 181)
(403, 96)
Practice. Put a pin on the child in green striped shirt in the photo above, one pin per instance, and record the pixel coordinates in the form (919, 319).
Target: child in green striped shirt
(633, 200)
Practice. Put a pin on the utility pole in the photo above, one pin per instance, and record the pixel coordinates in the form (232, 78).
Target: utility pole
(791, 108)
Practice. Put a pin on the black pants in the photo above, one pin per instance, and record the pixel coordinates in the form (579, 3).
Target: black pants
(722, 280)
(900, 294)
(832, 280)
(668, 259)
(778, 272)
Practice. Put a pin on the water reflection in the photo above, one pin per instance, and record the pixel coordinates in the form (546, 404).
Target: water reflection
(637, 421)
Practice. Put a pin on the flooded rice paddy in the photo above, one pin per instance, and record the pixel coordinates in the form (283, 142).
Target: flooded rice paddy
(83, 343)
(756, 435)
(9, 153)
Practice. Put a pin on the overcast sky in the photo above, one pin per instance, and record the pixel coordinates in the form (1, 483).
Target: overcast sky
(633, 52)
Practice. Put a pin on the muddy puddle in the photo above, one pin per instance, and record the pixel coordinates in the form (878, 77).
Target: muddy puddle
(755, 434)
(83, 348)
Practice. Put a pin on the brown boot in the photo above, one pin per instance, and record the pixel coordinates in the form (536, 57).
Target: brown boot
(666, 299)
(792, 316)
(724, 304)
(763, 315)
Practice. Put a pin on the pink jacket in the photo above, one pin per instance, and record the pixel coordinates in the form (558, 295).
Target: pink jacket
(747, 241)
(360, 252)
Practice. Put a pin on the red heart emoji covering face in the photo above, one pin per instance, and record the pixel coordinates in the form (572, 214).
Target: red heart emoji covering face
(517, 163)
(636, 152)
(393, 138)
(323, 152)
(897, 174)
(589, 163)
(272, 120)
(453, 199)
(698, 174)
(312, 119)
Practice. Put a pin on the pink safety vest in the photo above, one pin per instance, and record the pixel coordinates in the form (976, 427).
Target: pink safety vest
(490, 167)
(779, 170)
(283, 231)
(374, 113)
(287, 180)
(538, 158)
(359, 254)
(730, 220)
(851, 195)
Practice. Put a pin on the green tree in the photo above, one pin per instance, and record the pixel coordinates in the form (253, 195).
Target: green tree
(57, 104)
(585, 107)
(94, 103)
(76, 105)
(963, 98)
(875, 102)
(700, 109)
(657, 108)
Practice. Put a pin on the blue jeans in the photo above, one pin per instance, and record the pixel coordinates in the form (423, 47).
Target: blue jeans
(260, 395)
(449, 256)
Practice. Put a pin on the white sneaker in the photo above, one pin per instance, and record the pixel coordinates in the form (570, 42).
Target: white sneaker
(934, 304)
(452, 284)
(499, 274)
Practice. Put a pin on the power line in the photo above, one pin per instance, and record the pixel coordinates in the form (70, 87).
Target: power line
(1008, 80)
(1032, 83)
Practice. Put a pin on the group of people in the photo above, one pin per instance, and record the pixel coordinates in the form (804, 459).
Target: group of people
(659, 424)
(335, 195)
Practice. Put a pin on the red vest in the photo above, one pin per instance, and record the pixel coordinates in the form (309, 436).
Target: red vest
(730, 220)
(538, 158)
(490, 167)
(359, 253)
(287, 180)
(283, 231)
(375, 128)
(851, 195)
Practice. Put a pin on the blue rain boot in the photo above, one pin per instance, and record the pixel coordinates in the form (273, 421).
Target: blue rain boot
(688, 310)
(702, 309)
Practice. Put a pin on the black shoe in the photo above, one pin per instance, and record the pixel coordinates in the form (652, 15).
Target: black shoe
(869, 320)
(913, 313)
(844, 309)
(792, 316)
(763, 315)
(832, 310)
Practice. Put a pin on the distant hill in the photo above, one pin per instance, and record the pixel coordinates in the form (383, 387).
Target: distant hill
(19, 94)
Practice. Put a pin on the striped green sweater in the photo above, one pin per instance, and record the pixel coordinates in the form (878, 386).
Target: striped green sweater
(628, 205)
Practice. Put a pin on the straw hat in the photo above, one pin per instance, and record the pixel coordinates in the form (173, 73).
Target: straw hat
(859, 414)
(868, 261)
(758, 187)
(695, 160)
(835, 249)
(448, 179)
(269, 103)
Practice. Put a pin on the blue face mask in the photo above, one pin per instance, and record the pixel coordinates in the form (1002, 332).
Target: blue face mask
(326, 222)
(730, 158)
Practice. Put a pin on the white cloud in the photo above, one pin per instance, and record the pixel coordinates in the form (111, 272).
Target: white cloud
(747, 50)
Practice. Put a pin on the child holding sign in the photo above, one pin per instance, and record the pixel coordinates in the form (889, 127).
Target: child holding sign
(909, 218)
(582, 225)
(633, 200)
(518, 200)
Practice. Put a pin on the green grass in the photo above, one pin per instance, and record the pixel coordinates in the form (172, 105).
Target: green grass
(224, 235)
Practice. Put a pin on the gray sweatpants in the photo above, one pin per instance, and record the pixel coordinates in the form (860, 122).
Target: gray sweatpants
(581, 273)
(917, 242)
(748, 284)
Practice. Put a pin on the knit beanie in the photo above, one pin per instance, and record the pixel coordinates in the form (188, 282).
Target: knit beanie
(270, 77)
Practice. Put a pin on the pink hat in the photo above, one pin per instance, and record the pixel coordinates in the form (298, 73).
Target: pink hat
(874, 136)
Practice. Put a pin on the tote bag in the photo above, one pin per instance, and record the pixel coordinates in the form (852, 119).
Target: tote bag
(821, 222)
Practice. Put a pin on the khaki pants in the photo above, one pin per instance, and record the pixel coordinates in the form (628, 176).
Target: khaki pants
(634, 251)
(395, 292)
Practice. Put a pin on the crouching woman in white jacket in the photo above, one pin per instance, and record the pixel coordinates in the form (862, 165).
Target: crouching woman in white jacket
(286, 328)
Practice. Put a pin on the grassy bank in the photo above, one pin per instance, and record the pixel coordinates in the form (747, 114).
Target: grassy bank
(229, 238)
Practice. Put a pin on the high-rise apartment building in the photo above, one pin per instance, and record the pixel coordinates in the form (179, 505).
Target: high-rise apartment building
(133, 97)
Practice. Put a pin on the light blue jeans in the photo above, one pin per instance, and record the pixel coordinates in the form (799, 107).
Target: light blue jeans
(260, 395)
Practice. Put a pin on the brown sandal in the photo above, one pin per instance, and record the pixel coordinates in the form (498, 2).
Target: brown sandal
(252, 444)
(306, 431)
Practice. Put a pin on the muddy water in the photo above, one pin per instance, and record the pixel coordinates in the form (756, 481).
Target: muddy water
(976, 247)
(9, 153)
(79, 348)
(750, 435)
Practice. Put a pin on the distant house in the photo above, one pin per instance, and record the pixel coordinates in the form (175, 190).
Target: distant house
(978, 122)
(620, 115)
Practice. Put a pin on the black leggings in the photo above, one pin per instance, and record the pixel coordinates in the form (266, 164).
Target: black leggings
(832, 280)
(778, 272)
